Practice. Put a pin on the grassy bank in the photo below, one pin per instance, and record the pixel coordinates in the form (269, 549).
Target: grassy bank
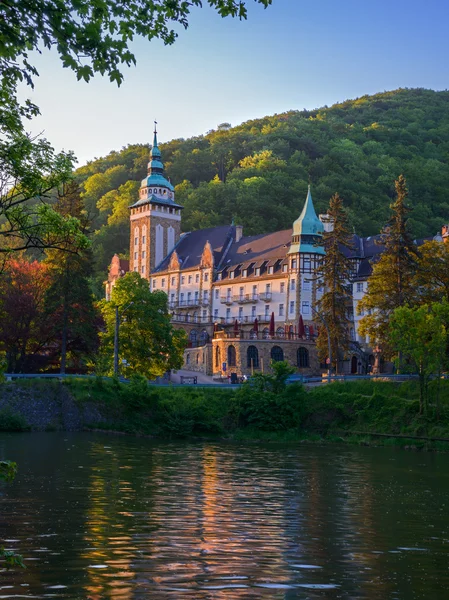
(267, 410)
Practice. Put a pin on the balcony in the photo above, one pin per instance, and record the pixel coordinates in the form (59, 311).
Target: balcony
(188, 303)
(226, 300)
(246, 298)
(265, 296)
(183, 318)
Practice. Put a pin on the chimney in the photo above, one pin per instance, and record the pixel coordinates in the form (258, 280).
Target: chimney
(445, 233)
(238, 232)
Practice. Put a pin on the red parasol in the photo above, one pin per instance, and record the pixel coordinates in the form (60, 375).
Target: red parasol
(311, 331)
(271, 332)
(236, 328)
(301, 329)
(256, 326)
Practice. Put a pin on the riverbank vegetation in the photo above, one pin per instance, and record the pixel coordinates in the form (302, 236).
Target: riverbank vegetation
(263, 409)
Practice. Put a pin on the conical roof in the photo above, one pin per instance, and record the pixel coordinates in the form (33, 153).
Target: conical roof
(307, 229)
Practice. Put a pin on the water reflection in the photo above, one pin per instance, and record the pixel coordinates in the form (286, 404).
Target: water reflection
(105, 517)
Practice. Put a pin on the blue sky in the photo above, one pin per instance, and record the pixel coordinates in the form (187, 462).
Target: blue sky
(293, 55)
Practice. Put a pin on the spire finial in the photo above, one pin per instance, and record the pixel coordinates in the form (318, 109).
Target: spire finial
(155, 126)
(155, 135)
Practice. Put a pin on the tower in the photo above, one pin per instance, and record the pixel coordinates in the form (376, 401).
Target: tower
(304, 257)
(155, 219)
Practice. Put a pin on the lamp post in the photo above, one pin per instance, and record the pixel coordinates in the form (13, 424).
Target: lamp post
(329, 346)
(116, 336)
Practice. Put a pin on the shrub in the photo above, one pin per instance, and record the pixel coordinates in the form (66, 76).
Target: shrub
(10, 421)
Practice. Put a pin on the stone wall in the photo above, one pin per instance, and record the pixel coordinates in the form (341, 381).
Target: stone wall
(264, 348)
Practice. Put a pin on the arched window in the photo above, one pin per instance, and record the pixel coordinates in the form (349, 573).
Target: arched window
(252, 334)
(265, 333)
(231, 356)
(204, 337)
(302, 356)
(195, 317)
(187, 359)
(217, 356)
(280, 332)
(253, 357)
(193, 336)
(277, 354)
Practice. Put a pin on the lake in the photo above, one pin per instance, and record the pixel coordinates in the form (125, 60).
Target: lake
(101, 516)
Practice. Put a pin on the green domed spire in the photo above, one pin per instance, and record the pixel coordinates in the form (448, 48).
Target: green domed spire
(307, 229)
(155, 152)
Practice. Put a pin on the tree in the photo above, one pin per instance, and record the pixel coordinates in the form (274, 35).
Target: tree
(92, 36)
(24, 332)
(334, 273)
(432, 273)
(391, 284)
(69, 305)
(420, 336)
(147, 341)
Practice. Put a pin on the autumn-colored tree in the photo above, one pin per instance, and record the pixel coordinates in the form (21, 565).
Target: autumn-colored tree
(335, 273)
(391, 284)
(24, 331)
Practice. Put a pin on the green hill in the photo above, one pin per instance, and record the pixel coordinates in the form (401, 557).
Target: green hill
(257, 173)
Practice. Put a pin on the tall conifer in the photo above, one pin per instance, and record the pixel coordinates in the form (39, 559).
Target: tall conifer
(335, 273)
(391, 282)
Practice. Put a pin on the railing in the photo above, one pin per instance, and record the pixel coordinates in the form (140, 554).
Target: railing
(246, 298)
(264, 335)
(226, 300)
(183, 318)
(265, 296)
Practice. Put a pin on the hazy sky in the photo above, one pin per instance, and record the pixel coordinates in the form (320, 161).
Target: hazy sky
(296, 54)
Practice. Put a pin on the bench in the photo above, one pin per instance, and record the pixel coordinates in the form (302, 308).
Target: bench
(189, 379)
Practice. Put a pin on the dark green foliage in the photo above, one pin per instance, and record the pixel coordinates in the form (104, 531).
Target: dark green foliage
(10, 421)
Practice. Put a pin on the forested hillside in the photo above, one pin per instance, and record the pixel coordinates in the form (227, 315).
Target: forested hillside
(257, 173)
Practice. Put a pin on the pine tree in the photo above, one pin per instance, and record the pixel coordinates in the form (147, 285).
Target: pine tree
(390, 285)
(69, 302)
(335, 273)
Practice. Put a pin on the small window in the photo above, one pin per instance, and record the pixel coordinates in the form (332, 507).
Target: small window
(136, 241)
(360, 287)
(245, 273)
(173, 280)
(284, 268)
(294, 263)
(281, 310)
(135, 255)
(293, 285)
(154, 284)
(215, 313)
(306, 284)
(305, 308)
(257, 272)
(197, 278)
(217, 294)
(163, 283)
(143, 239)
(292, 307)
(270, 270)
(183, 279)
(282, 288)
(190, 279)
(231, 275)
(143, 269)
(143, 254)
(206, 276)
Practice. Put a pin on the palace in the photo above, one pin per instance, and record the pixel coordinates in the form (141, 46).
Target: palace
(244, 301)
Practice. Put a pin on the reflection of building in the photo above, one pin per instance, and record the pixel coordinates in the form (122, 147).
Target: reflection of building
(244, 301)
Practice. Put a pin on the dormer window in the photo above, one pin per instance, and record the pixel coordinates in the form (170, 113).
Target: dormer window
(150, 190)
(245, 273)
(257, 272)
(270, 270)
(284, 268)
(231, 275)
